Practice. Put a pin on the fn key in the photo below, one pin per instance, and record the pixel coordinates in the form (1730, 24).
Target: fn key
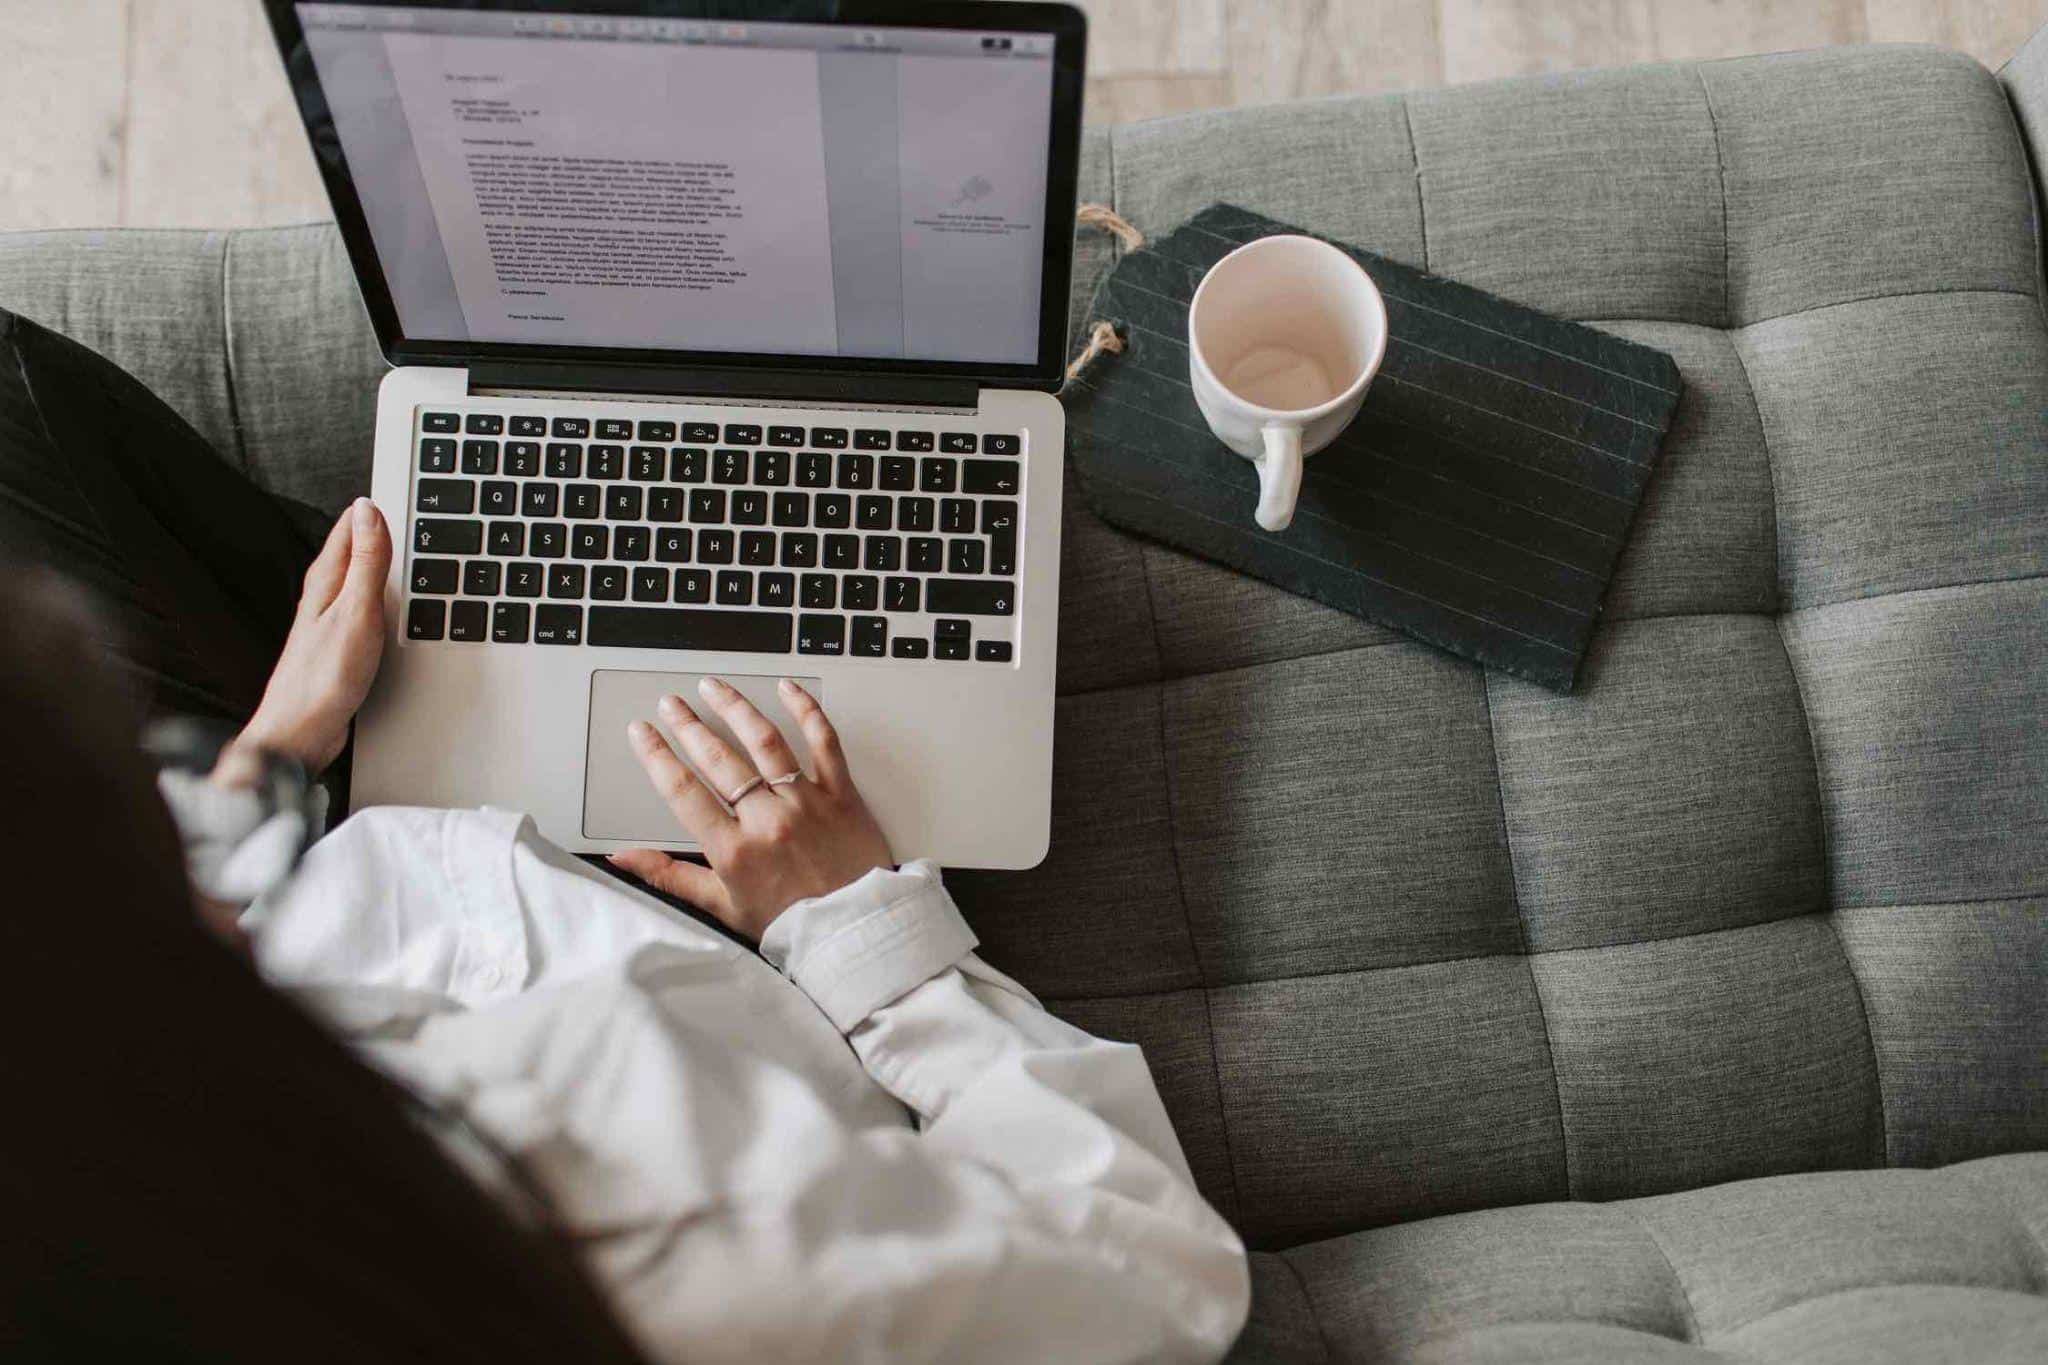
(425, 619)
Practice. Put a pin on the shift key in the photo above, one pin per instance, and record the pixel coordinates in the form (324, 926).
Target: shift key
(970, 597)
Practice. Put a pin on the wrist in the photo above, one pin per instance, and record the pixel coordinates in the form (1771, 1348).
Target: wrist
(265, 735)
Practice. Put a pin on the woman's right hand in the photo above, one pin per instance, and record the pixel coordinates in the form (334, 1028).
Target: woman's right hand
(781, 842)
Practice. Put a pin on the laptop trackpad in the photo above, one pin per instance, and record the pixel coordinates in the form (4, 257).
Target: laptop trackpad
(618, 800)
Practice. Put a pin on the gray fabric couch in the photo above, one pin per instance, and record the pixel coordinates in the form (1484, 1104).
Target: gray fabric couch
(1702, 1015)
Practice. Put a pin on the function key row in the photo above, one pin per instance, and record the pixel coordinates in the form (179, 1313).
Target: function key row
(732, 433)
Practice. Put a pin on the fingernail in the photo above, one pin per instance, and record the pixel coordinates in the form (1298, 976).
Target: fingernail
(715, 687)
(638, 730)
(789, 685)
(365, 515)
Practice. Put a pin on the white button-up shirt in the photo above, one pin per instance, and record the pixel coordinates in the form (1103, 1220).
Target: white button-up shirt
(869, 1146)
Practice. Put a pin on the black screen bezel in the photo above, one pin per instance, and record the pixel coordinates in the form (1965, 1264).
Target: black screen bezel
(1064, 23)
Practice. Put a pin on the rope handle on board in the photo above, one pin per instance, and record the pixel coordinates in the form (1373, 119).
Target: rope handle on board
(1102, 337)
(1109, 220)
(1102, 340)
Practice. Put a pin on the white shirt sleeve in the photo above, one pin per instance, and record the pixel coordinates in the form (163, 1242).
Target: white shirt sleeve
(1043, 1211)
(471, 905)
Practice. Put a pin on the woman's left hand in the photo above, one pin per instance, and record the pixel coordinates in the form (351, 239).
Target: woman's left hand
(336, 642)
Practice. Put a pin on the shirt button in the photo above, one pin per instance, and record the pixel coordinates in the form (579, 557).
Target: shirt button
(488, 977)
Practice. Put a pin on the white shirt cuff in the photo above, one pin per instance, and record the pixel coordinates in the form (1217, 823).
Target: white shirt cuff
(870, 942)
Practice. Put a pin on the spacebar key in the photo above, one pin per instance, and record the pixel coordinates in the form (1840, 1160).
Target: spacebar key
(742, 632)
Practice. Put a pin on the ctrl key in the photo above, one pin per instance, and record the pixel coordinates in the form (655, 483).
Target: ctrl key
(469, 620)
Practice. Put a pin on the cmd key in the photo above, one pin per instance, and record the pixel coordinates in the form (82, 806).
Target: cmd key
(821, 635)
(557, 624)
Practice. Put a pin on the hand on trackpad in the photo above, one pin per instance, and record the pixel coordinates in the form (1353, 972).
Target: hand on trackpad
(618, 800)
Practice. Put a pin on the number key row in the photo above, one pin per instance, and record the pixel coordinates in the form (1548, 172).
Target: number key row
(695, 465)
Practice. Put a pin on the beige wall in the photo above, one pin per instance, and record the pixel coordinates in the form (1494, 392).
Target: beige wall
(174, 112)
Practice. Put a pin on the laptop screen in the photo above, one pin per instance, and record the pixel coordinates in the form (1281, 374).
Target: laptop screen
(771, 189)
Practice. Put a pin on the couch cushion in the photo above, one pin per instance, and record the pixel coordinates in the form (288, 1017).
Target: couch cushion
(1764, 895)
(257, 338)
(1862, 1266)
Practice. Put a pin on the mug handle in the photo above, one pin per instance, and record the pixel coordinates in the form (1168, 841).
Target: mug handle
(1279, 477)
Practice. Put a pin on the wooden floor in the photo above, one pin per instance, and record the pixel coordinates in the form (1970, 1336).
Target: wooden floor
(174, 112)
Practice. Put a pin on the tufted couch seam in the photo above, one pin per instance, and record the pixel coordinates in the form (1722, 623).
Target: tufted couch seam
(1180, 887)
(1507, 836)
(1528, 955)
(1960, 585)
(1674, 320)
(1116, 243)
(2037, 1259)
(1886, 297)
(1692, 1316)
(1415, 162)
(1721, 172)
(1820, 791)
(1308, 1298)
(1735, 343)
(1704, 613)
(1879, 1288)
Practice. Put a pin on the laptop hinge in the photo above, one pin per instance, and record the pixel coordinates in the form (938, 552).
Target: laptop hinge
(890, 390)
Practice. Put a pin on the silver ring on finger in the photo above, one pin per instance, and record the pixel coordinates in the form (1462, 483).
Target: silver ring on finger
(786, 779)
(739, 793)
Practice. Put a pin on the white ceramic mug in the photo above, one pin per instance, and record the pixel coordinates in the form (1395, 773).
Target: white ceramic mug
(1284, 335)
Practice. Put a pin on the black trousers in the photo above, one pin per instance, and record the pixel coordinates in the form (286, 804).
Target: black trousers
(193, 569)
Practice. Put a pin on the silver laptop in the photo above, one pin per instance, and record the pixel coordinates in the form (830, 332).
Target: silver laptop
(721, 347)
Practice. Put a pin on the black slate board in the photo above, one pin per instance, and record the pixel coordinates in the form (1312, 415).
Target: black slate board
(1478, 502)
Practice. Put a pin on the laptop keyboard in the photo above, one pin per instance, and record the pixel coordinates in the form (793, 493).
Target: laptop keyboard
(896, 542)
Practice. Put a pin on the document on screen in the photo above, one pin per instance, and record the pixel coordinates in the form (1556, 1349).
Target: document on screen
(626, 194)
